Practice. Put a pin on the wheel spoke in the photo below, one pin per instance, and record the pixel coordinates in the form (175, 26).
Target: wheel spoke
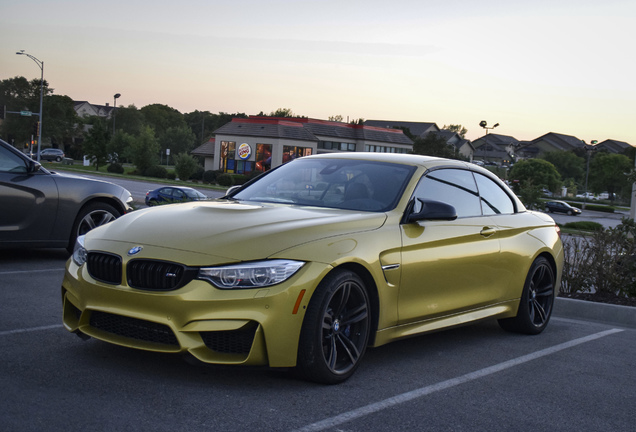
(350, 348)
(343, 298)
(538, 308)
(546, 291)
(332, 356)
(355, 315)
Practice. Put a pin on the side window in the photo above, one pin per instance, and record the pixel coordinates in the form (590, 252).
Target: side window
(10, 162)
(451, 186)
(493, 199)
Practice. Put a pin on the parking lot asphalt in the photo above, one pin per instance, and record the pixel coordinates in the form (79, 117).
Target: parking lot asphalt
(577, 375)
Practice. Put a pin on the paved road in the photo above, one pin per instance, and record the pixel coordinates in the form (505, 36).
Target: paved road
(138, 188)
(606, 219)
(577, 375)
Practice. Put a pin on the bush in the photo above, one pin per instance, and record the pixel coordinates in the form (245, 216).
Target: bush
(172, 176)
(240, 179)
(198, 174)
(185, 165)
(584, 226)
(210, 176)
(225, 180)
(603, 263)
(115, 168)
(156, 171)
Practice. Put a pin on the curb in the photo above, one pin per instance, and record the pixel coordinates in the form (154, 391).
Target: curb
(623, 316)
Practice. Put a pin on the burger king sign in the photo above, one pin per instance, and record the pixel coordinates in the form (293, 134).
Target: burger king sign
(244, 151)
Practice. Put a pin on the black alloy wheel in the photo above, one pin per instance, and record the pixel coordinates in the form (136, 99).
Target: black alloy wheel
(336, 329)
(537, 299)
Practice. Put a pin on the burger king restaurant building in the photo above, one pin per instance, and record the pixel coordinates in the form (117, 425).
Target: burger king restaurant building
(259, 143)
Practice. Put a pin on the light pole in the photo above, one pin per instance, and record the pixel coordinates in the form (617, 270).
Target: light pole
(589, 149)
(41, 66)
(485, 126)
(117, 95)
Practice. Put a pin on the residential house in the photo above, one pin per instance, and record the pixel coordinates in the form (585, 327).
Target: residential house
(614, 146)
(495, 148)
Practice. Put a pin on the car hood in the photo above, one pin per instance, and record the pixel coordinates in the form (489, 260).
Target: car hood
(232, 230)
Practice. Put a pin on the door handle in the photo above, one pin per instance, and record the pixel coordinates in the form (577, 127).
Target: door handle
(487, 231)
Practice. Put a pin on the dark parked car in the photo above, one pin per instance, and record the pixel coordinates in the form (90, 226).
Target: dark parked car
(50, 154)
(561, 207)
(47, 209)
(173, 194)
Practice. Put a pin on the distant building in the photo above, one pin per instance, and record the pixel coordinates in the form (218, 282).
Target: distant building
(417, 129)
(614, 146)
(86, 109)
(495, 148)
(261, 143)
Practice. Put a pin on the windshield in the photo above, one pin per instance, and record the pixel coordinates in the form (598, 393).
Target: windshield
(335, 183)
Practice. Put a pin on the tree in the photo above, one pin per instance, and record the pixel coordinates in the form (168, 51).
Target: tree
(19, 94)
(96, 143)
(119, 146)
(178, 139)
(282, 112)
(185, 166)
(144, 151)
(568, 164)
(129, 120)
(60, 119)
(336, 118)
(535, 173)
(432, 145)
(458, 129)
(610, 172)
(162, 117)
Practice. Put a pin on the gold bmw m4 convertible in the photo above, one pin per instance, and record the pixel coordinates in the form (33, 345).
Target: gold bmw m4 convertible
(314, 261)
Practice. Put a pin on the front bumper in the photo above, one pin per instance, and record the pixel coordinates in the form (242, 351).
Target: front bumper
(248, 326)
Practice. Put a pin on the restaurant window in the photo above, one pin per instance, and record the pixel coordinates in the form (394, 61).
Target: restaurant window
(292, 152)
(263, 157)
(228, 153)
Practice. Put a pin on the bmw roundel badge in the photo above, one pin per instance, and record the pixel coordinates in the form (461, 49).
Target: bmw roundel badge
(135, 250)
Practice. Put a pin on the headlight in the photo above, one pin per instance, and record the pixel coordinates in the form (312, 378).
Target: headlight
(250, 275)
(79, 252)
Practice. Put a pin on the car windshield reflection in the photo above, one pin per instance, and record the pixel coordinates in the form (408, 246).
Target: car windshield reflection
(332, 183)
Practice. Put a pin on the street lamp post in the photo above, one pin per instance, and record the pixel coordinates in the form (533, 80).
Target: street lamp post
(41, 66)
(485, 126)
(117, 95)
(589, 149)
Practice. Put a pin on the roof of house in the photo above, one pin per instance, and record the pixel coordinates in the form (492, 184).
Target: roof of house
(614, 145)
(497, 139)
(305, 129)
(560, 141)
(205, 149)
(416, 128)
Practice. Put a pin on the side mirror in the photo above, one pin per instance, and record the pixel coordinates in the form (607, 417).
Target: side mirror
(232, 190)
(33, 167)
(432, 210)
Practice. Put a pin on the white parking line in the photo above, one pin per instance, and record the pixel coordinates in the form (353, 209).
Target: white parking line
(31, 271)
(32, 329)
(425, 391)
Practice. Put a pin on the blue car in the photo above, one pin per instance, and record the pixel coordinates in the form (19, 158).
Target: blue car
(173, 194)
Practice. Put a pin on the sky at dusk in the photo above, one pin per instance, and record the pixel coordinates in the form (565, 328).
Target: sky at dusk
(534, 67)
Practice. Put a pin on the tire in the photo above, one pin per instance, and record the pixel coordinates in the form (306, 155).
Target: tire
(336, 329)
(537, 299)
(570, 213)
(58, 159)
(91, 216)
(547, 210)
